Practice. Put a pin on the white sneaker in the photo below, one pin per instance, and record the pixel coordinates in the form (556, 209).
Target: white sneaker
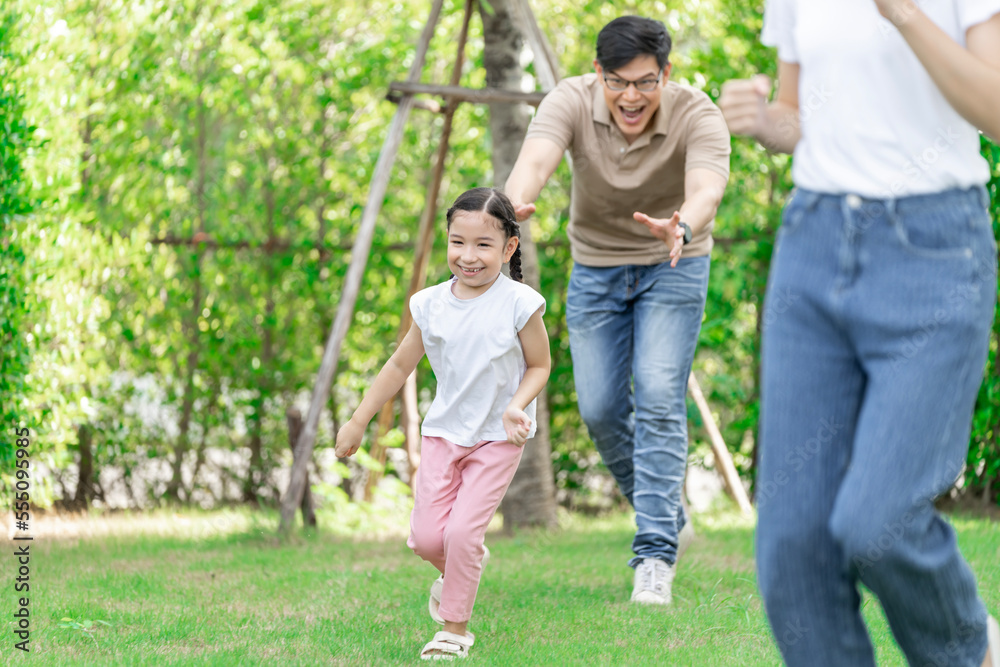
(993, 641)
(434, 601)
(653, 579)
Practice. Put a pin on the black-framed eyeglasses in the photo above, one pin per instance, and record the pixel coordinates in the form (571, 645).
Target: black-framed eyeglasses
(642, 85)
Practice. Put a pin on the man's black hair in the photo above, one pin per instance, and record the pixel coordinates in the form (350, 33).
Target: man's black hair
(628, 37)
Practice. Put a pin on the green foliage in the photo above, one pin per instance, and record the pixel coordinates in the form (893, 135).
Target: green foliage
(202, 169)
(252, 126)
(16, 139)
(982, 476)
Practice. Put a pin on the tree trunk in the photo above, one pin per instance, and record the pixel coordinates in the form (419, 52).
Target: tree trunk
(255, 472)
(190, 328)
(987, 480)
(190, 325)
(294, 417)
(530, 500)
(85, 484)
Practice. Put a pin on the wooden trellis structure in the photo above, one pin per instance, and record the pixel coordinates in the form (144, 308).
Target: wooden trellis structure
(403, 94)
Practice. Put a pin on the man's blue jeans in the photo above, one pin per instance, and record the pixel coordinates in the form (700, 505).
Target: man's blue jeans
(876, 329)
(633, 331)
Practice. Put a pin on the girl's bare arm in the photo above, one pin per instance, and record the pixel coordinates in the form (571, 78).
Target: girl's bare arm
(535, 343)
(388, 382)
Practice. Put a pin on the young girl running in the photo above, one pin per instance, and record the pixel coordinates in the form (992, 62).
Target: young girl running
(484, 337)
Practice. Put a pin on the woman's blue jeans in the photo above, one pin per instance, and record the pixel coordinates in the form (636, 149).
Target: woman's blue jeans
(633, 331)
(876, 329)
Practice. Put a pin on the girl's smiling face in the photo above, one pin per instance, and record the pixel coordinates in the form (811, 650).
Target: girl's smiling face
(477, 249)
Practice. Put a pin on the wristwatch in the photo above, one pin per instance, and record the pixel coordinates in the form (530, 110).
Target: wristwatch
(687, 231)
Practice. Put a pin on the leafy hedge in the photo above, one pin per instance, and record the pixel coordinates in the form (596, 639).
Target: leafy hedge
(15, 203)
(203, 175)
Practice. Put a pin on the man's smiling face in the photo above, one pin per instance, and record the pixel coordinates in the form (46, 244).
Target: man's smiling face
(633, 109)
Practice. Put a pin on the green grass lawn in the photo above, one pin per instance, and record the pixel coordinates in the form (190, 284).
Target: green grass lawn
(221, 590)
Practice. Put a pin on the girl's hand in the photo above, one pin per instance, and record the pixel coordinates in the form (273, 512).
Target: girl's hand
(517, 425)
(349, 439)
(667, 231)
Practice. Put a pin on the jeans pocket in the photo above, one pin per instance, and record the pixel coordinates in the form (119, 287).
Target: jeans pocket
(946, 232)
(795, 211)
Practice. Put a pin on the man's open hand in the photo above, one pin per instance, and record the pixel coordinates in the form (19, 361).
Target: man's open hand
(523, 211)
(667, 230)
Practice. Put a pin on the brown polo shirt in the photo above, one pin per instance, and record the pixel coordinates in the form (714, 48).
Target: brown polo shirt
(612, 179)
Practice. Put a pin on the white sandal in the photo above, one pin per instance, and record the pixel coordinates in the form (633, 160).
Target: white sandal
(447, 646)
(434, 601)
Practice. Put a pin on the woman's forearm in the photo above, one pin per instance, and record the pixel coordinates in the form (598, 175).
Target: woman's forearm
(970, 83)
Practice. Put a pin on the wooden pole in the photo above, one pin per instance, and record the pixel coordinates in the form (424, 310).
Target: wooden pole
(545, 63)
(426, 239)
(723, 460)
(294, 419)
(456, 93)
(359, 259)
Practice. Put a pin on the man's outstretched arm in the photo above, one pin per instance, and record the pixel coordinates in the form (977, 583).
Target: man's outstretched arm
(536, 162)
(703, 190)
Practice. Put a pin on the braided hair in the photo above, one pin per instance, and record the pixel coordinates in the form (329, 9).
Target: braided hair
(495, 203)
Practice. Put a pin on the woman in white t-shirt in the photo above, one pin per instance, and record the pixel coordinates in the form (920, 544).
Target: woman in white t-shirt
(877, 320)
(484, 337)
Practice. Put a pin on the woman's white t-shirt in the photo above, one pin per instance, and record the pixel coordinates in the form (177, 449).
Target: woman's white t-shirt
(476, 356)
(873, 122)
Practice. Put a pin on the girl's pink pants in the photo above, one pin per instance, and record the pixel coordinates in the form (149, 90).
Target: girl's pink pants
(456, 494)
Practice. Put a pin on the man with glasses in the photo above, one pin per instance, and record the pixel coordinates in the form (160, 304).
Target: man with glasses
(650, 162)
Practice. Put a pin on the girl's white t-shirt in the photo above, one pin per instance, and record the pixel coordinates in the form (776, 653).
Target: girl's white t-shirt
(873, 122)
(476, 356)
